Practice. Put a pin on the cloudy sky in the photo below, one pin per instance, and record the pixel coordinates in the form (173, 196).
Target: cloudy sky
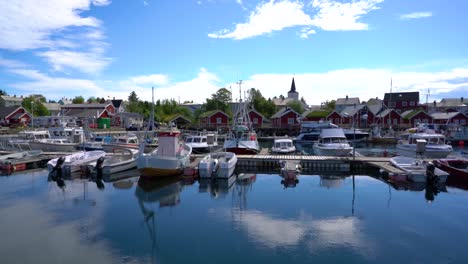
(188, 49)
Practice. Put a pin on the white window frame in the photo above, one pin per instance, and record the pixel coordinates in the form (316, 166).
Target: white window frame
(411, 103)
(219, 120)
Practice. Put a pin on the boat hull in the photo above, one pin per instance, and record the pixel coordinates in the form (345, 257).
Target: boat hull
(431, 153)
(218, 165)
(51, 147)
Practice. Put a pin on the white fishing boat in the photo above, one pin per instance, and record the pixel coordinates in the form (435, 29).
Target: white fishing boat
(310, 132)
(96, 143)
(203, 142)
(120, 160)
(169, 159)
(283, 146)
(128, 141)
(417, 170)
(332, 142)
(427, 145)
(54, 145)
(217, 165)
(73, 162)
(242, 138)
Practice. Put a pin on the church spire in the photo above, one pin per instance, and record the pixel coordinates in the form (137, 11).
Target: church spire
(293, 86)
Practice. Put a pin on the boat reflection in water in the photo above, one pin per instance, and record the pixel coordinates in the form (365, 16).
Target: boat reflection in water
(430, 188)
(217, 187)
(166, 192)
(332, 181)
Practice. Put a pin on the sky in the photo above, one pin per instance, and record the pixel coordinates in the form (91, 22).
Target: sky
(188, 49)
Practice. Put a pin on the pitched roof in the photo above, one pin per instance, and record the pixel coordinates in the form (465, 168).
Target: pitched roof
(52, 106)
(386, 112)
(444, 116)
(84, 113)
(284, 111)
(12, 98)
(317, 113)
(410, 113)
(212, 112)
(452, 102)
(374, 105)
(174, 117)
(94, 105)
(116, 103)
(6, 111)
(397, 97)
(351, 110)
(348, 101)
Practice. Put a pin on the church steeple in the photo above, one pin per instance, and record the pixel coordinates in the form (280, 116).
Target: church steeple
(293, 87)
(293, 94)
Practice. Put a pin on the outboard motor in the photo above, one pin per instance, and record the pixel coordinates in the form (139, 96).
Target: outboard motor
(214, 165)
(430, 173)
(56, 172)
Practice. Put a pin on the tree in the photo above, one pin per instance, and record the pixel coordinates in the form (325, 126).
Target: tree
(35, 106)
(263, 106)
(92, 99)
(329, 105)
(296, 106)
(133, 103)
(3, 92)
(78, 100)
(219, 101)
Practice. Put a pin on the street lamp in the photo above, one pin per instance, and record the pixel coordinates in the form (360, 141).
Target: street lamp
(32, 114)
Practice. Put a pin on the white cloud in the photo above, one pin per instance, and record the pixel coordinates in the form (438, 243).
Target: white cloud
(153, 79)
(415, 15)
(145, 3)
(88, 62)
(53, 87)
(333, 15)
(278, 15)
(68, 38)
(268, 17)
(305, 32)
(28, 24)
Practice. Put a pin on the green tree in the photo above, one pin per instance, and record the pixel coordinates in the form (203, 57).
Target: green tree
(35, 106)
(262, 105)
(296, 106)
(133, 103)
(78, 100)
(219, 101)
(2, 92)
(92, 99)
(329, 105)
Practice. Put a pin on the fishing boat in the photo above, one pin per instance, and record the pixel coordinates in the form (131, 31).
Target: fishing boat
(417, 170)
(217, 165)
(203, 142)
(332, 142)
(96, 143)
(169, 159)
(127, 141)
(428, 145)
(455, 167)
(283, 146)
(242, 138)
(121, 160)
(310, 132)
(17, 161)
(73, 162)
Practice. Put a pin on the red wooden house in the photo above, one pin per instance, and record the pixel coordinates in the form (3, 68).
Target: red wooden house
(286, 118)
(14, 115)
(389, 118)
(402, 101)
(256, 119)
(214, 119)
(453, 118)
(335, 118)
(412, 118)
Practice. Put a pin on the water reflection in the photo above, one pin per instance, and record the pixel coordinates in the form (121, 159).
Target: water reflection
(331, 181)
(431, 189)
(217, 187)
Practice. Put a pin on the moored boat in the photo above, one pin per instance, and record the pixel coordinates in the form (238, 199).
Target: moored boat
(428, 145)
(202, 143)
(332, 142)
(455, 167)
(217, 165)
(121, 160)
(417, 170)
(283, 146)
(73, 162)
(169, 159)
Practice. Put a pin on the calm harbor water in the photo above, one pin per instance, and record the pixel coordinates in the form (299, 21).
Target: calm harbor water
(322, 219)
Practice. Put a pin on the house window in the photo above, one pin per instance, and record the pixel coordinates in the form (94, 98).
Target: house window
(255, 120)
(417, 121)
(290, 121)
(404, 103)
(425, 120)
(391, 104)
(337, 121)
(219, 120)
(455, 121)
(411, 103)
(395, 121)
(462, 122)
(389, 121)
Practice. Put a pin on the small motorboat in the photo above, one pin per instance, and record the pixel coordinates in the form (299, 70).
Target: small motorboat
(455, 167)
(73, 162)
(121, 160)
(218, 165)
(283, 146)
(417, 170)
(332, 142)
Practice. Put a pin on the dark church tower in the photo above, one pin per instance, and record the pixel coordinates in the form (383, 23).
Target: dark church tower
(292, 93)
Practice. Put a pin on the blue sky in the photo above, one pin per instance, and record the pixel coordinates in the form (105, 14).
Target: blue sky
(188, 49)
